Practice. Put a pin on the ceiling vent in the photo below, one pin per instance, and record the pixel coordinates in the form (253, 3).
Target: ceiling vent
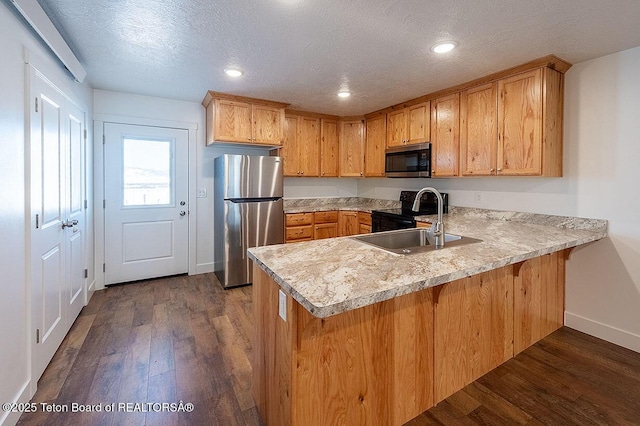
(41, 24)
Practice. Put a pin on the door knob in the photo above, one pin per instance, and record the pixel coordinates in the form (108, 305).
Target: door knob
(69, 223)
(182, 213)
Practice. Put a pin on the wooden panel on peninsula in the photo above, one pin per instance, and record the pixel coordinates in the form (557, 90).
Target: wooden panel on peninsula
(372, 365)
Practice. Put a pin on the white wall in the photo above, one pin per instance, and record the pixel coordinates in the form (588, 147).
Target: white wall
(601, 175)
(14, 290)
(145, 107)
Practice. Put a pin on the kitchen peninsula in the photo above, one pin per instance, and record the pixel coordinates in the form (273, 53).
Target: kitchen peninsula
(347, 333)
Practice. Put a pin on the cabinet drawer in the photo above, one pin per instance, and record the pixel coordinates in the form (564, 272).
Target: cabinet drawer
(364, 218)
(299, 233)
(297, 219)
(326, 217)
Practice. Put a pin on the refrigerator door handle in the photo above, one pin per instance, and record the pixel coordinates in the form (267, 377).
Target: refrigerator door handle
(253, 200)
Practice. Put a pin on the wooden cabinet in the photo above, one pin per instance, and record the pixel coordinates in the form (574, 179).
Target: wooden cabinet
(513, 127)
(374, 160)
(478, 130)
(301, 146)
(364, 223)
(348, 223)
(530, 124)
(329, 147)
(239, 119)
(326, 225)
(352, 148)
(445, 135)
(298, 227)
(409, 125)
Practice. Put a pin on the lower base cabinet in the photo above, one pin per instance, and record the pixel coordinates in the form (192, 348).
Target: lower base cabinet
(386, 363)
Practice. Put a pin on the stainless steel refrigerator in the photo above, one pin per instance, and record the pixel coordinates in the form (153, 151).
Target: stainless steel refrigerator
(248, 212)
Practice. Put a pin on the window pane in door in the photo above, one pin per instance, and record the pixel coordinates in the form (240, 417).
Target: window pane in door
(147, 176)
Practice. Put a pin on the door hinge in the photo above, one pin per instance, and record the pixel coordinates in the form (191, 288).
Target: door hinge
(104, 204)
(85, 204)
(104, 267)
(103, 140)
(85, 134)
(37, 335)
(86, 273)
(37, 221)
(36, 104)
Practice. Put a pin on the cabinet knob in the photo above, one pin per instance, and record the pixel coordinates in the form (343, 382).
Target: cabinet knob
(360, 173)
(249, 139)
(491, 170)
(302, 172)
(499, 169)
(322, 173)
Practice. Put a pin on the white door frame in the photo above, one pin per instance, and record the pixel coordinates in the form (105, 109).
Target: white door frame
(98, 184)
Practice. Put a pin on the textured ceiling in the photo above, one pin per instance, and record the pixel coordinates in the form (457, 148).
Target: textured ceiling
(304, 51)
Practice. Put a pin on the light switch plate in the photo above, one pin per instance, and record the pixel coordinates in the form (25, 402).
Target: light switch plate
(282, 305)
(201, 193)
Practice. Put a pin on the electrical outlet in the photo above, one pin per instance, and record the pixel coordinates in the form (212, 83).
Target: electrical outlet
(282, 305)
(478, 198)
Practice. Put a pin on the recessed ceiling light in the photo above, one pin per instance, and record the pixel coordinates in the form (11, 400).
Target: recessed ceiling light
(444, 47)
(344, 94)
(233, 72)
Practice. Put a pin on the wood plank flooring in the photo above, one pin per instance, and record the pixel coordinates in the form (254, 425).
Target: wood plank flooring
(186, 339)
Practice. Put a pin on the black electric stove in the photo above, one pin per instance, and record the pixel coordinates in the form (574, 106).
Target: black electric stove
(404, 217)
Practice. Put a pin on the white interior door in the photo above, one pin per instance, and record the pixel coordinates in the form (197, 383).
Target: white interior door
(57, 217)
(146, 202)
(75, 296)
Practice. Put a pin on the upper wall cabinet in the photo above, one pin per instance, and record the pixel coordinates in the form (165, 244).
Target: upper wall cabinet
(237, 119)
(409, 125)
(301, 146)
(530, 124)
(478, 130)
(352, 148)
(513, 127)
(329, 147)
(445, 135)
(374, 146)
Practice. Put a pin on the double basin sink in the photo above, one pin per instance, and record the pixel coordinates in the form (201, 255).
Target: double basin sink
(411, 241)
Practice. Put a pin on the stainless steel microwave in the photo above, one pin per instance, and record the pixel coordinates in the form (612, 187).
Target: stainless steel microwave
(408, 161)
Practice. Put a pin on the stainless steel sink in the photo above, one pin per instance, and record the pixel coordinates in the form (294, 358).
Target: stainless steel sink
(410, 241)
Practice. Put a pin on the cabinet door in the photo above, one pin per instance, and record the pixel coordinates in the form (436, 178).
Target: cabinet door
(375, 147)
(418, 122)
(352, 148)
(309, 146)
(325, 230)
(348, 222)
(395, 128)
(289, 150)
(329, 148)
(445, 135)
(520, 124)
(232, 121)
(478, 131)
(267, 125)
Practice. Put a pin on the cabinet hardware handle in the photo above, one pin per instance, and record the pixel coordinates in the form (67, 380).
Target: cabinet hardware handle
(491, 170)
(499, 169)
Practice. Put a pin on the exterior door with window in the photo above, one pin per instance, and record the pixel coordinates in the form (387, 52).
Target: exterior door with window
(146, 202)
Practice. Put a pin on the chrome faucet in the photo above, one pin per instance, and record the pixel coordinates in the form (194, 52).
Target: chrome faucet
(437, 229)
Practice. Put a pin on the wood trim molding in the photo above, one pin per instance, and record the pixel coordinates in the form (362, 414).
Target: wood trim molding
(219, 95)
(294, 112)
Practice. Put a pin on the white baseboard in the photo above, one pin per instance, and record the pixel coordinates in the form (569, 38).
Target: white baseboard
(203, 268)
(11, 418)
(603, 331)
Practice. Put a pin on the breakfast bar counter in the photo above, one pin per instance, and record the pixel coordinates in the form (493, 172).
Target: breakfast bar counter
(348, 333)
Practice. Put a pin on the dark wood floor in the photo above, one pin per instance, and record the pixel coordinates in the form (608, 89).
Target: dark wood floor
(185, 339)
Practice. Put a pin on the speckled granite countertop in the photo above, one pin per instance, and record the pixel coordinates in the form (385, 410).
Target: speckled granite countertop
(336, 275)
(302, 205)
